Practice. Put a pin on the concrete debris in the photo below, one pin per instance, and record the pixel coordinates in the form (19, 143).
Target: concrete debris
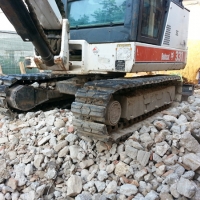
(42, 157)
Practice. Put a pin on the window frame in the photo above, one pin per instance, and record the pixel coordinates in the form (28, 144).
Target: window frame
(105, 24)
(146, 39)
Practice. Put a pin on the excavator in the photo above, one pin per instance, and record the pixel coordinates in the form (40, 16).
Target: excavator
(85, 48)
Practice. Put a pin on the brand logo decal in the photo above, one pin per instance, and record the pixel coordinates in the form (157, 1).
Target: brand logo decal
(165, 56)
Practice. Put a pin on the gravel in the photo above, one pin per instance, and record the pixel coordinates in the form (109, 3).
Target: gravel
(41, 158)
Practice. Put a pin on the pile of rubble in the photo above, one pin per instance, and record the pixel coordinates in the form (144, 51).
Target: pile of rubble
(41, 157)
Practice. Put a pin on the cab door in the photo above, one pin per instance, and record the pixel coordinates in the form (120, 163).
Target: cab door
(151, 21)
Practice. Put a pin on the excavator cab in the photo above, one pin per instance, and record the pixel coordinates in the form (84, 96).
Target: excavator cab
(117, 20)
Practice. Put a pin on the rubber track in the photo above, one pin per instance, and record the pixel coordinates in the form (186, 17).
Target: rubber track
(8, 81)
(92, 100)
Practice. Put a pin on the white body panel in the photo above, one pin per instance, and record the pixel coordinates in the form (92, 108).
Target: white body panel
(47, 13)
(119, 57)
(101, 58)
(125, 57)
(176, 31)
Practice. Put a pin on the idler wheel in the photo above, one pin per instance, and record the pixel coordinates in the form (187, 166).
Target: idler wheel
(113, 113)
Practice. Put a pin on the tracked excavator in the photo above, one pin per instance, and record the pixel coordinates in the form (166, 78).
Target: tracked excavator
(88, 46)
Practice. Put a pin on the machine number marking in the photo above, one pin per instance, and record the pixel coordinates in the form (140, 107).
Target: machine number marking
(120, 65)
(152, 54)
(179, 56)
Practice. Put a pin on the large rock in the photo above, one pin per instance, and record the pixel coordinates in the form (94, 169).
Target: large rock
(110, 168)
(50, 120)
(71, 137)
(171, 159)
(74, 184)
(160, 170)
(140, 174)
(113, 149)
(74, 150)
(31, 195)
(160, 137)
(145, 129)
(121, 169)
(161, 148)
(100, 186)
(83, 197)
(2, 196)
(28, 170)
(146, 138)
(165, 196)
(59, 123)
(111, 187)
(12, 183)
(43, 140)
(173, 190)
(86, 163)
(156, 158)
(101, 146)
(15, 196)
(128, 189)
(169, 118)
(102, 175)
(131, 152)
(189, 142)
(152, 195)
(51, 173)
(40, 190)
(176, 129)
(192, 161)
(63, 152)
(186, 188)
(197, 194)
(2, 169)
(20, 174)
(188, 175)
(12, 155)
(134, 144)
(48, 152)
(3, 140)
(160, 125)
(182, 119)
(143, 157)
(38, 159)
(60, 145)
(171, 179)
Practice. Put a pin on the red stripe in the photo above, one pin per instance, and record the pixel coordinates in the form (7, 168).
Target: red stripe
(151, 54)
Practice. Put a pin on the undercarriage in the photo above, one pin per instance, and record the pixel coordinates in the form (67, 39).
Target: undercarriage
(103, 106)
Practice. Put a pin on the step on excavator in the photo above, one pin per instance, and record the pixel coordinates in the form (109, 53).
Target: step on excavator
(86, 47)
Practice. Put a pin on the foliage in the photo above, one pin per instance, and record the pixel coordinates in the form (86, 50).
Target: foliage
(83, 20)
(108, 13)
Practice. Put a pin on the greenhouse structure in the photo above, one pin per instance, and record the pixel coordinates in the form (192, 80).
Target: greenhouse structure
(12, 51)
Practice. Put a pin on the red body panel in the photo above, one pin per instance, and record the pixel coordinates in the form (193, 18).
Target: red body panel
(152, 54)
